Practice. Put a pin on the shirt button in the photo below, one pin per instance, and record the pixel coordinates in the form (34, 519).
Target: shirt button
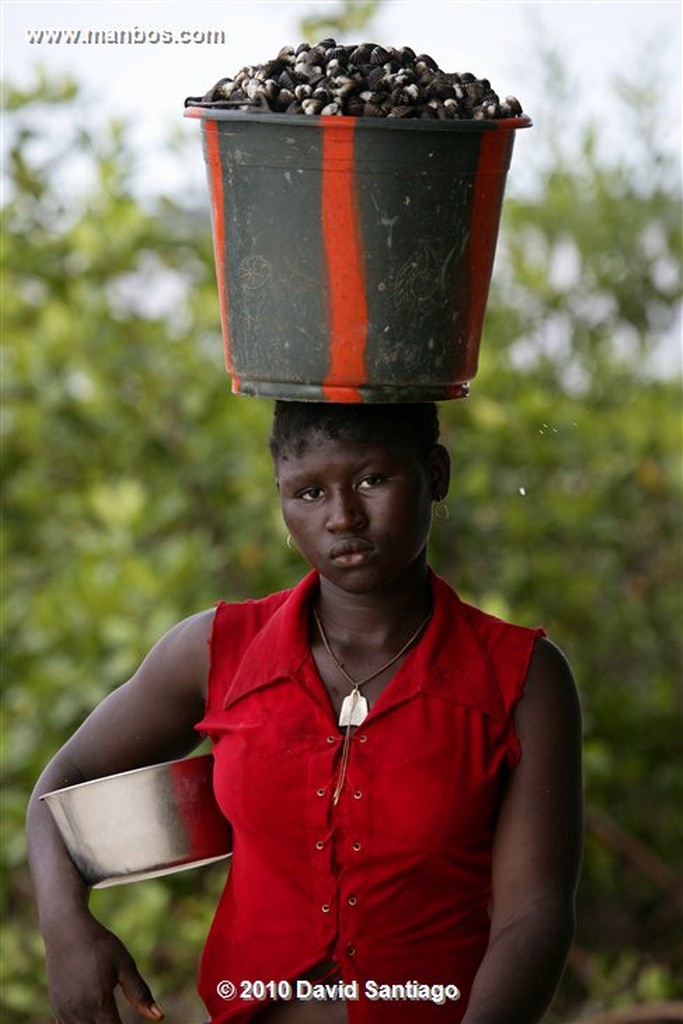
(357, 846)
(352, 901)
(319, 845)
(358, 795)
(351, 950)
(320, 792)
(325, 908)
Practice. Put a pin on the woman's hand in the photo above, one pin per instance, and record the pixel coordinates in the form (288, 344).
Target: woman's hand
(85, 964)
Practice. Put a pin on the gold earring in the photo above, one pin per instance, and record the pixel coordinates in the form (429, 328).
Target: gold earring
(440, 510)
(290, 543)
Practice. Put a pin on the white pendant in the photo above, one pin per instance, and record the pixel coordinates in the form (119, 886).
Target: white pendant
(354, 710)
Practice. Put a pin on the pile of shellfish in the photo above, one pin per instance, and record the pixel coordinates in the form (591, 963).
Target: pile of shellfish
(365, 80)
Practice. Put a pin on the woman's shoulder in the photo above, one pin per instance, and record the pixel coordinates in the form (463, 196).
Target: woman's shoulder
(550, 684)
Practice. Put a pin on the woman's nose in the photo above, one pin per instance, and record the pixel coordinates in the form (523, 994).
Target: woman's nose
(344, 511)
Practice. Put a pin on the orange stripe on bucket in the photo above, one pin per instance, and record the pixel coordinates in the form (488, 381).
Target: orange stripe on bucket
(213, 162)
(487, 201)
(343, 245)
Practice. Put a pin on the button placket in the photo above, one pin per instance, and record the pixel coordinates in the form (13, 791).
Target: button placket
(320, 831)
(358, 804)
(353, 816)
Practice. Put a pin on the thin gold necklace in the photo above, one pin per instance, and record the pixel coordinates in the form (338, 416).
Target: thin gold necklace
(354, 708)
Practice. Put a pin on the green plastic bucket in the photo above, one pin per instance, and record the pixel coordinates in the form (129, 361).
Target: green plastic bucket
(353, 255)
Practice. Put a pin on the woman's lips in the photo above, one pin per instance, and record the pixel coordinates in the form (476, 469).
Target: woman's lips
(352, 552)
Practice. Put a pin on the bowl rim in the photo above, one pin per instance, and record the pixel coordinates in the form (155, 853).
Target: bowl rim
(141, 770)
(109, 881)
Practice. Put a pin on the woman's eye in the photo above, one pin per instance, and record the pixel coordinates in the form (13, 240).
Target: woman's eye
(371, 481)
(311, 494)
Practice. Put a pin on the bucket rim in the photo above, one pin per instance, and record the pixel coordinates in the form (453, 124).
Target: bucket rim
(208, 112)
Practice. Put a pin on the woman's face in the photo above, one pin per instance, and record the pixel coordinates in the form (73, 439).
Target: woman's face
(360, 513)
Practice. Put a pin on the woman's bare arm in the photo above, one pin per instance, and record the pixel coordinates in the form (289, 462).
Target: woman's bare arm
(149, 719)
(537, 853)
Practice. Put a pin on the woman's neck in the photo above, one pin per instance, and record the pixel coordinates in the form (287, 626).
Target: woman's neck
(378, 614)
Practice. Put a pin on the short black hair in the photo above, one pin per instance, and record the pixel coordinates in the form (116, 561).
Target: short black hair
(411, 425)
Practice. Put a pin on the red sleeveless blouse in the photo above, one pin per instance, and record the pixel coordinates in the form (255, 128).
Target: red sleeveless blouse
(392, 883)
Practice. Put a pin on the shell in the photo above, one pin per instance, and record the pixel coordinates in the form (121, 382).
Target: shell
(361, 54)
(285, 80)
(312, 106)
(375, 76)
(429, 61)
(354, 106)
(378, 55)
(271, 89)
(338, 53)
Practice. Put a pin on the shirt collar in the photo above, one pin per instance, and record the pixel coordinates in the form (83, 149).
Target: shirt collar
(449, 662)
(280, 647)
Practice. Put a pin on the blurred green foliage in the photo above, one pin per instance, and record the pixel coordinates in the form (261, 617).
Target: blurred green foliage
(136, 491)
(351, 16)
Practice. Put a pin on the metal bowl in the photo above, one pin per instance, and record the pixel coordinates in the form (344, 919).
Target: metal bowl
(143, 823)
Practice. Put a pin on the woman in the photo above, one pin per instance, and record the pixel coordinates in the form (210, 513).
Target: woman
(401, 770)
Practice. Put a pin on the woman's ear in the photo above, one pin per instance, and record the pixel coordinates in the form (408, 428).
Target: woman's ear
(440, 472)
